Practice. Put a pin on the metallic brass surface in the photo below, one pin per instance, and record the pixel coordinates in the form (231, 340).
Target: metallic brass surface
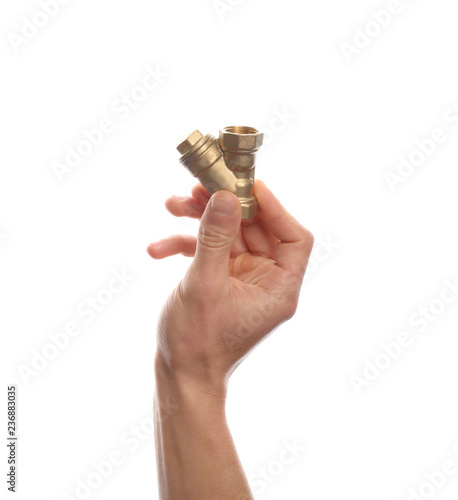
(228, 165)
(239, 146)
(203, 158)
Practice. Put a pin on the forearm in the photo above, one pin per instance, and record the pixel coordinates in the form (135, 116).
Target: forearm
(195, 452)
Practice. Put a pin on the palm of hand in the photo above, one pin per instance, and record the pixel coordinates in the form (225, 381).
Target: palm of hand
(263, 273)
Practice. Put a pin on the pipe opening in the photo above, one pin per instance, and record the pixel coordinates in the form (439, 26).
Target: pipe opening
(241, 130)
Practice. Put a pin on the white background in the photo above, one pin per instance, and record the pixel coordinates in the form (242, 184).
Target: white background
(390, 252)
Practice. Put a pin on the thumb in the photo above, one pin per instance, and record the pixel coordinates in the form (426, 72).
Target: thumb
(218, 229)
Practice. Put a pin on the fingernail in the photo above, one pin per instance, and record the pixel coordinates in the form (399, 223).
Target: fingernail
(221, 206)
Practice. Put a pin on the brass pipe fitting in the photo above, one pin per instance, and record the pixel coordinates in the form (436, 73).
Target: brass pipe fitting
(239, 146)
(203, 158)
(228, 165)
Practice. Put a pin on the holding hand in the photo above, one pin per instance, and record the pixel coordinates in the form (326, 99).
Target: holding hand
(243, 282)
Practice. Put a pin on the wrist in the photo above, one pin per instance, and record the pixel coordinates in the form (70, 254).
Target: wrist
(188, 390)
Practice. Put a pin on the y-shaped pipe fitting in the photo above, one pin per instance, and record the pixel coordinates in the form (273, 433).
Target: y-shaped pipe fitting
(234, 171)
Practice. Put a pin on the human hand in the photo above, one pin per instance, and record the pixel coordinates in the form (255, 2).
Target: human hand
(243, 282)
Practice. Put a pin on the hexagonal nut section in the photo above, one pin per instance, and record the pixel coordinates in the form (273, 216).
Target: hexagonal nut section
(240, 137)
(189, 142)
(249, 210)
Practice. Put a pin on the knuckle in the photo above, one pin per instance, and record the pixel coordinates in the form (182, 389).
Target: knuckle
(307, 237)
(213, 237)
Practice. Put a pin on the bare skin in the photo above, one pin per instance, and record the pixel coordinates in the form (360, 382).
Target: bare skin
(244, 281)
